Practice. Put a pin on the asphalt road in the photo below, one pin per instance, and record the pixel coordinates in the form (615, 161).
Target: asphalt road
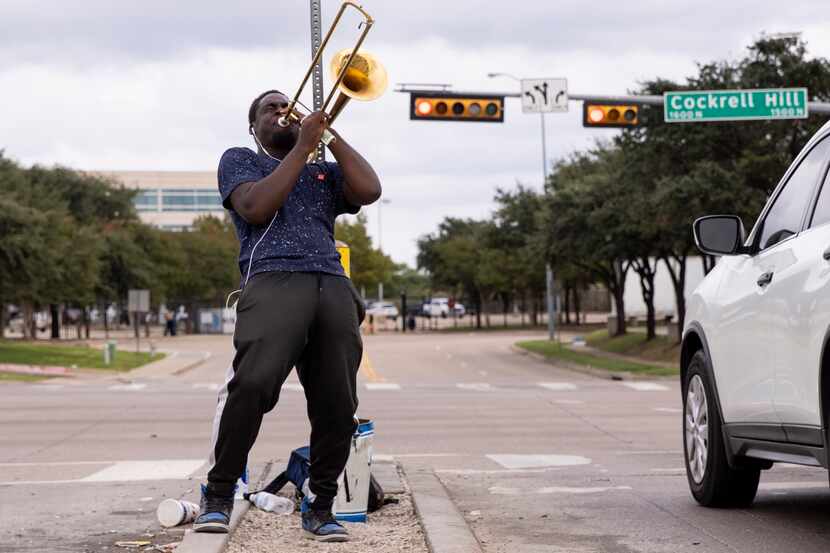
(537, 458)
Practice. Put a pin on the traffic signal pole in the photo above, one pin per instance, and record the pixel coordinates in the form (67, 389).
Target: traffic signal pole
(651, 100)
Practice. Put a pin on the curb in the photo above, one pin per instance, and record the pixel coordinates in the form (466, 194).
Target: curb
(193, 365)
(584, 369)
(216, 543)
(445, 529)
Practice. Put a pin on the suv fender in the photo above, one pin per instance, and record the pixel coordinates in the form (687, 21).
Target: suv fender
(694, 339)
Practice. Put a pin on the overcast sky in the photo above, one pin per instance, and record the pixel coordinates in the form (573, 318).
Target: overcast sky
(155, 85)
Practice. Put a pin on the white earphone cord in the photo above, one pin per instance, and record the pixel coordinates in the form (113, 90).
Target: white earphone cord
(268, 228)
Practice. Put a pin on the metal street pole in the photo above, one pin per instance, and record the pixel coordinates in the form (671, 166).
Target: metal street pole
(544, 155)
(317, 74)
(549, 276)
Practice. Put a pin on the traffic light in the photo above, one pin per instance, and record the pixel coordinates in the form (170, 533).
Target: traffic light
(444, 106)
(610, 114)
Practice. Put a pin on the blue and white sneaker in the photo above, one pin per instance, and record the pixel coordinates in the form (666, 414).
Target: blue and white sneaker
(322, 526)
(215, 512)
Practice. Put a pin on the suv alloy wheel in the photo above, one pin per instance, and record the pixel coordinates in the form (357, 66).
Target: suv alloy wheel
(712, 481)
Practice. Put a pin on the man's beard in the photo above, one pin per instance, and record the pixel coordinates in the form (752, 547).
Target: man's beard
(283, 139)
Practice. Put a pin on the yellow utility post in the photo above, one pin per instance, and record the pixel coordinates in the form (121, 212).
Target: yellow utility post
(345, 256)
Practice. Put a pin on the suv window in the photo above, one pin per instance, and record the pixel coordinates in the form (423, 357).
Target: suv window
(821, 215)
(784, 218)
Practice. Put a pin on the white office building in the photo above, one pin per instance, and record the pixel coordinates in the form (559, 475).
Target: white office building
(172, 200)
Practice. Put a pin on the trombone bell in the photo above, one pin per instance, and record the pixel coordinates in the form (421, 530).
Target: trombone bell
(365, 78)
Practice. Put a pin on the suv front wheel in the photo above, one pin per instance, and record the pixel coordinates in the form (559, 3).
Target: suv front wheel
(712, 481)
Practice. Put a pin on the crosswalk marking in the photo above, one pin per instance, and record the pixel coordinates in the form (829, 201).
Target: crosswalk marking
(646, 386)
(475, 386)
(538, 461)
(499, 490)
(127, 471)
(132, 387)
(293, 387)
(382, 386)
(558, 386)
(212, 386)
(667, 409)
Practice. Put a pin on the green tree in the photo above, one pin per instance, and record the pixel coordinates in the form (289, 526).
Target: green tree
(584, 221)
(694, 169)
(453, 257)
(369, 266)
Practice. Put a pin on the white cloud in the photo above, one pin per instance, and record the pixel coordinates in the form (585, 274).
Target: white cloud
(167, 87)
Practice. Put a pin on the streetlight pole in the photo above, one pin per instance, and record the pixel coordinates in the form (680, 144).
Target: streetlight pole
(380, 239)
(380, 222)
(549, 280)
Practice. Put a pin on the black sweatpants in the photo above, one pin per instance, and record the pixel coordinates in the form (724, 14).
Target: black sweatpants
(288, 319)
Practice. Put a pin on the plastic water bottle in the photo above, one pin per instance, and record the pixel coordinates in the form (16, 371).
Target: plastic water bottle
(272, 503)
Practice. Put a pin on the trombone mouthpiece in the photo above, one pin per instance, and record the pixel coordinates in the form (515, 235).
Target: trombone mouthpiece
(283, 121)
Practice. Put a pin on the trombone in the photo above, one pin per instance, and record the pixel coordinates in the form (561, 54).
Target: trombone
(359, 74)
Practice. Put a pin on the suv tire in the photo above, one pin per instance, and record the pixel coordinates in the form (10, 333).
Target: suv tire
(712, 481)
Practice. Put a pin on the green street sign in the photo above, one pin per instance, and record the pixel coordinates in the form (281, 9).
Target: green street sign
(734, 105)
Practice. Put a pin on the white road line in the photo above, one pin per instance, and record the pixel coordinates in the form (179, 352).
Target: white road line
(792, 485)
(293, 387)
(557, 386)
(498, 490)
(132, 387)
(382, 386)
(651, 452)
(497, 471)
(792, 466)
(538, 461)
(667, 409)
(670, 471)
(380, 458)
(213, 386)
(568, 401)
(646, 386)
(56, 463)
(50, 387)
(130, 471)
(475, 386)
(36, 482)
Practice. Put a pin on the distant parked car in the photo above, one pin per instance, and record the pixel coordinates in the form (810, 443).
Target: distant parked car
(382, 309)
(440, 307)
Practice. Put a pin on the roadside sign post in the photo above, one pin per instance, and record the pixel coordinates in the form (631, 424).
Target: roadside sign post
(138, 302)
(699, 106)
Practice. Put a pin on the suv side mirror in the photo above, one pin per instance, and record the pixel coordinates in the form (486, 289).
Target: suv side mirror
(719, 234)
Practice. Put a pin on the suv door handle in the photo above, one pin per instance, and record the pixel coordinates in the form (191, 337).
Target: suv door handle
(826, 254)
(765, 279)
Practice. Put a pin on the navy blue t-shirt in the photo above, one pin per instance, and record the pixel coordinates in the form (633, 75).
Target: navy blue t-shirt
(301, 237)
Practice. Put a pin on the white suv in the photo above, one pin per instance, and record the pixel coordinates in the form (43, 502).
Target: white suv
(755, 368)
(440, 307)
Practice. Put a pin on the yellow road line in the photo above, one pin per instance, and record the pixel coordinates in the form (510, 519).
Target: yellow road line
(368, 370)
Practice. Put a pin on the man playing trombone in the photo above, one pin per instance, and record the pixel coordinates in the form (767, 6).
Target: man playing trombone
(297, 307)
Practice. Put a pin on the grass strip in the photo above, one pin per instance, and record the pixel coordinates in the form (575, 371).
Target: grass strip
(553, 350)
(29, 353)
(21, 377)
(661, 348)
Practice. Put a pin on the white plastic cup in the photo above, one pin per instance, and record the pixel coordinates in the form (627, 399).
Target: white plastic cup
(173, 512)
